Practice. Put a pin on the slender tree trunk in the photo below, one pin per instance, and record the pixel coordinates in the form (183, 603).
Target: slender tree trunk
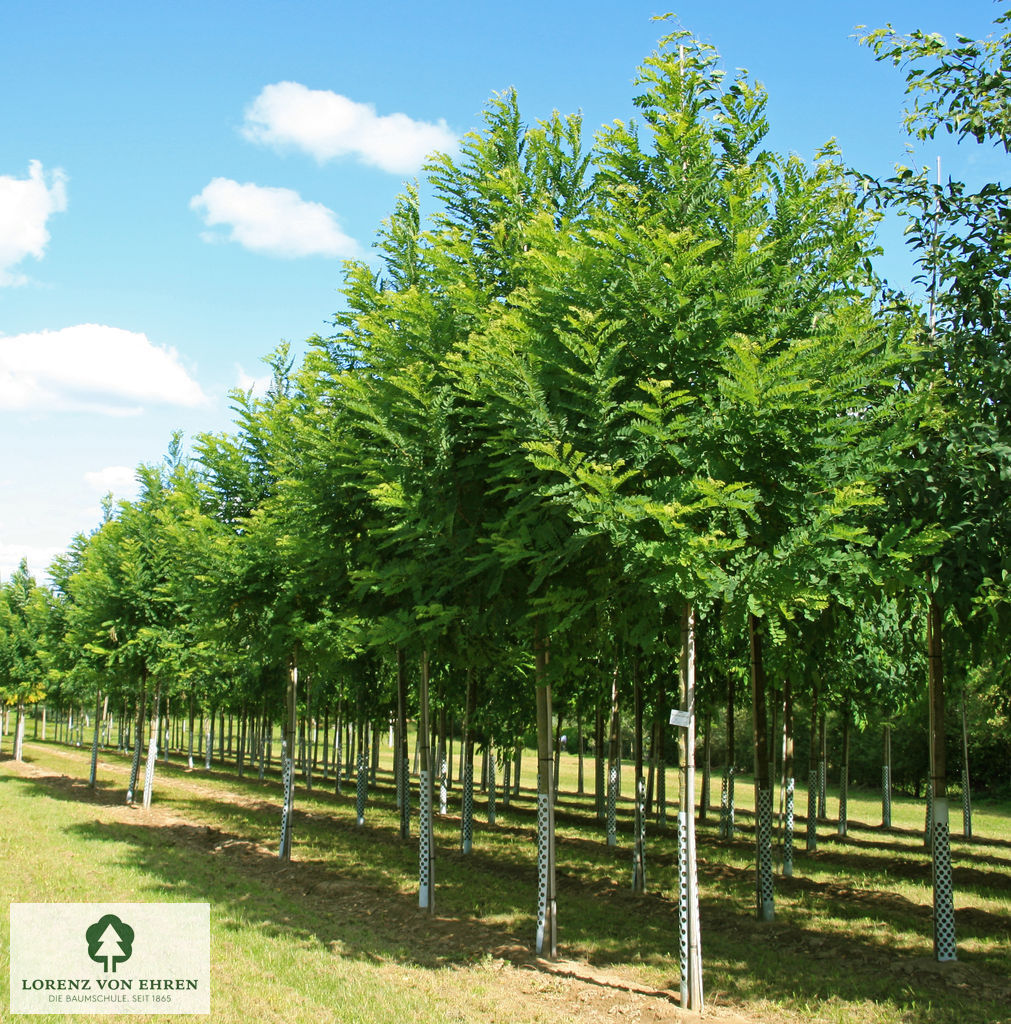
(152, 746)
(580, 790)
(823, 767)
(945, 948)
(138, 737)
(691, 948)
(966, 792)
(599, 791)
(93, 776)
(558, 752)
(426, 845)
(812, 772)
(467, 815)
(492, 783)
(19, 732)
(886, 776)
(613, 765)
(400, 754)
(763, 786)
(547, 914)
(288, 757)
(192, 718)
(707, 768)
(362, 781)
(844, 775)
(639, 843)
(442, 762)
(788, 780)
(661, 752)
(727, 792)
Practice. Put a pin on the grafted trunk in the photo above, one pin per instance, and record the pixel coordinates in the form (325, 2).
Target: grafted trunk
(547, 919)
(788, 781)
(763, 783)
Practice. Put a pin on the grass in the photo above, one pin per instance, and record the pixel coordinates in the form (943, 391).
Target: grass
(337, 936)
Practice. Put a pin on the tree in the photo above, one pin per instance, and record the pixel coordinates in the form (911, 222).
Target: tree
(957, 474)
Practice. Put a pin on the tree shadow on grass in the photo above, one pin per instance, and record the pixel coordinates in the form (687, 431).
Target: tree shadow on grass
(350, 890)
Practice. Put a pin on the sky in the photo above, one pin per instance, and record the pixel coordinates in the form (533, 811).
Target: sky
(180, 182)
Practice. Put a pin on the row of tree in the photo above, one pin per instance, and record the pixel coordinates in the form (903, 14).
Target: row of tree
(607, 405)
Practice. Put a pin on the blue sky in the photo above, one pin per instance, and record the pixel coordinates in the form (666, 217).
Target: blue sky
(179, 182)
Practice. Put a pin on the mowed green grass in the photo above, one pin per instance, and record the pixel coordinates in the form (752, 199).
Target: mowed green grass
(337, 935)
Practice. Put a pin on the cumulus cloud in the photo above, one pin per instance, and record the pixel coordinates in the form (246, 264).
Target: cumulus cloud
(120, 480)
(92, 368)
(328, 125)
(248, 383)
(277, 221)
(26, 205)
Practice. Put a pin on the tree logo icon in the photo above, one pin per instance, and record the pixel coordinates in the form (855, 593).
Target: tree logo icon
(110, 942)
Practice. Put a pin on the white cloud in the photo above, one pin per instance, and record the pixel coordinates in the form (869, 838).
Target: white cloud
(247, 383)
(277, 221)
(39, 557)
(120, 480)
(25, 206)
(92, 368)
(328, 125)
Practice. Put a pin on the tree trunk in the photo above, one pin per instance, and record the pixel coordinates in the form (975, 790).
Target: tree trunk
(727, 791)
(441, 763)
(19, 732)
(812, 771)
(492, 783)
(613, 766)
(886, 777)
(362, 768)
(822, 767)
(966, 792)
(639, 842)
(93, 776)
(844, 776)
(788, 780)
(600, 796)
(426, 845)
(707, 769)
(944, 910)
(137, 739)
(547, 916)
(580, 789)
(152, 746)
(691, 949)
(763, 787)
(399, 751)
(288, 757)
(467, 812)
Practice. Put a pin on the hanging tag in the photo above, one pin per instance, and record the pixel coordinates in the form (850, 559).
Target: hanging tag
(682, 719)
